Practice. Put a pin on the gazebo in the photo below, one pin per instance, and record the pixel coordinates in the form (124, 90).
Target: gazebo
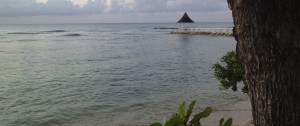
(185, 20)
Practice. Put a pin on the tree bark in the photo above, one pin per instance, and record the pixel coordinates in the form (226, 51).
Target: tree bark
(268, 46)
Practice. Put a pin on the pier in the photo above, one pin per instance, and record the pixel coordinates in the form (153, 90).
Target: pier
(205, 31)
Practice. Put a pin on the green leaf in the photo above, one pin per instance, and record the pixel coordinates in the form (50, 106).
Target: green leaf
(181, 111)
(228, 122)
(203, 114)
(156, 124)
(221, 122)
(174, 121)
(196, 124)
(189, 112)
(230, 71)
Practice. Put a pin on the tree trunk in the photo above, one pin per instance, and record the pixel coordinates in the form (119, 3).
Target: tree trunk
(268, 46)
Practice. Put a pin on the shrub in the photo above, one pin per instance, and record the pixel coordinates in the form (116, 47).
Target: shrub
(230, 72)
(182, 117)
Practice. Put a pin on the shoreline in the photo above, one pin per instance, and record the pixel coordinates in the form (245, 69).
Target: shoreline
(240, 112)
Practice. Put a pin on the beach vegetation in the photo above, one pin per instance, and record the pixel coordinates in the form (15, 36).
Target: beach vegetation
(230, 72)
(228, 122)
(182, 118)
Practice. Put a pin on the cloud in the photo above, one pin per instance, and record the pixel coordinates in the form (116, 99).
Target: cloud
(41, 1)
(118, 6)
(107, 11)
(50, 7)
(13, 8)
(197, 5)
(80, 3)
(149, 6)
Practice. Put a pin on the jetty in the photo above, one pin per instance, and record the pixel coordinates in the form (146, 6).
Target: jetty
(185, 27)
(204, 31)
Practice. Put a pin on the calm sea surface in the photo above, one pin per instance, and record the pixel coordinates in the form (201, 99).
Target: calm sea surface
(106, 74)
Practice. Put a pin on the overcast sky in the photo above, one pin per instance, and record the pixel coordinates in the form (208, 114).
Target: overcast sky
(111, 11)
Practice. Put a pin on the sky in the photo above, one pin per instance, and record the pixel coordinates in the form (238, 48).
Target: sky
(111, 11)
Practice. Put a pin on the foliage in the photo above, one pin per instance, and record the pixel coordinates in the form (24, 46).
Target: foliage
(230, 72)
(228, 122)
(182, 117)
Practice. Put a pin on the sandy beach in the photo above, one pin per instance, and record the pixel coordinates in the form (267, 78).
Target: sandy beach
(240, 112)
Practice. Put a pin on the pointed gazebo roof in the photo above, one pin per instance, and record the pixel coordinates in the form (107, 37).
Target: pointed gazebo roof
(185, 19)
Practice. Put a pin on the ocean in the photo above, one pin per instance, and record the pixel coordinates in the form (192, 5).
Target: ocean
(107, 74)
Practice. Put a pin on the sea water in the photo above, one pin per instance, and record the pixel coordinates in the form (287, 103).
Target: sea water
(107, 74)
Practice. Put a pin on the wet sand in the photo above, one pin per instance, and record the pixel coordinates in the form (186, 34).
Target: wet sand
(240, 112)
